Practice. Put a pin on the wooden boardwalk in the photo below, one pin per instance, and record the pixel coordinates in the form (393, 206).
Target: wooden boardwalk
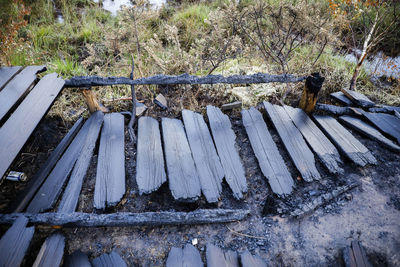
(388, 124)
(188, 256)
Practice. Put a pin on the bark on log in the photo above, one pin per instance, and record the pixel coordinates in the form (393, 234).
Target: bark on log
(311, 89)
(78, 219)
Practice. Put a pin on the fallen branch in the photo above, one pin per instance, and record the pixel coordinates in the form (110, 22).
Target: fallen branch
(334, 110)
(78, 219)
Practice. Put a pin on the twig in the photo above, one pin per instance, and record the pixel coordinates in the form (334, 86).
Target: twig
(245, 235)
(133, 115)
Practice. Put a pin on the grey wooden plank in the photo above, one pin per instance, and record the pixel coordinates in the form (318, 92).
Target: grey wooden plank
(293, 141)
(217, 258)
(358, 98)
(188, 256)
(388, 124)
(182, 174)
(52, 251)
(7, 73)
(316, 139)
(17, 88)
(70, 197)
(269, 159)
(15, 242)
(47, 195)
(17, 129)
(112, 259)
(110, 178)
(23, 198)
(249, 260)
(340, 97)
(204, 154)
(77, 259)
(369, 131)
(359, 255)
(150, 169)
(224, 139)
(345, 141)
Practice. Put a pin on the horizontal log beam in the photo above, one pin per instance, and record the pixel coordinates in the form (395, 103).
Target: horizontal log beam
(78, 219)
(87, 81)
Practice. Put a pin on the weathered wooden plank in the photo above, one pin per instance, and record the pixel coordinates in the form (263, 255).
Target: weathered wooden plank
(224, 139)
(52, 251)
(70, 197)
(341, 98)
(204, 154)
(345, 141)
(6, 74)
(47, 195)
(150, 170)
(77, 259)
(15, 242)
(17, 129)
(334, 110)
(369, 131)
(182, 174)
(17, 88)
(293, 141)
(188, 256)
(269, 159)
(23, 199)
(358, 98)
(217, 258)
(354, 256)
(249, 260)
(112, 259)
(77, 219)
(315, 138)
(388, 124)
(110, 178)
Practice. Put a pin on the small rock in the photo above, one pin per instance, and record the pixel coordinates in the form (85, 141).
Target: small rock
(349, 197)
(161, 101)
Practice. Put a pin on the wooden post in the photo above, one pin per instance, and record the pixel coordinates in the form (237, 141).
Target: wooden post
(311, 89)
(92, 102)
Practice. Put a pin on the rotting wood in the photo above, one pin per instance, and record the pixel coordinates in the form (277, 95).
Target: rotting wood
(358, 98)
(224, 139)
(345, 141)
(269, 159)
(71, 193)
(318, 142)
(52, 251)
(205, 156)
(112, 259)
(91, 101)
(218, 258)
(110, 177)
(355, 256)
(368, 130)
(17, 88)
(183, 178)
(17, 129)
(15, 242)
(249, 260)
(7, 73)
(188, 256)
(119, 219)
(310, 92)
(150, 170)
(388, 124)
(77, 259)
(334, 110)
(85, 81)
(341, 98)
(293, 141)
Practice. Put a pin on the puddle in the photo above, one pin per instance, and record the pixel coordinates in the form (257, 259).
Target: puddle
(115, 6)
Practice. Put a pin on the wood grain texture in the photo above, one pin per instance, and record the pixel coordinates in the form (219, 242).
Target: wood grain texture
(218, 258)
(293, 141)
(345, 141)
(355, 256)
(341, 98)
(249, 260)
(358, 98)
(150, 169)
(77, 259)
(224, 139)
(316, 139)
(7, 73)
(17, 129)
(52, 251)
(188, 256)
(369, 131)
(110, 178)
(71, 193)
(15, 242)
(182, 174)
(17, 88)
(23, 198)
(388, 124)
(269, 159)
(112, 259)
(204, 154)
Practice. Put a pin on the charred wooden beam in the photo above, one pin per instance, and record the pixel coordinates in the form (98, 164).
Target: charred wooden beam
(310, 93)
(334, 110)
(78, 219)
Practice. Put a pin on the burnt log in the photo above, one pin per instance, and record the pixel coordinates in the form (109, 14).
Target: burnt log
(310, 92)
(334, 110)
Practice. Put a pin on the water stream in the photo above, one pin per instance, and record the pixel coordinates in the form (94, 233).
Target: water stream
(115, 5)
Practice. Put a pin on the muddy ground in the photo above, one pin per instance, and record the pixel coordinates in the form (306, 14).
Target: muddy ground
(369, 213)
